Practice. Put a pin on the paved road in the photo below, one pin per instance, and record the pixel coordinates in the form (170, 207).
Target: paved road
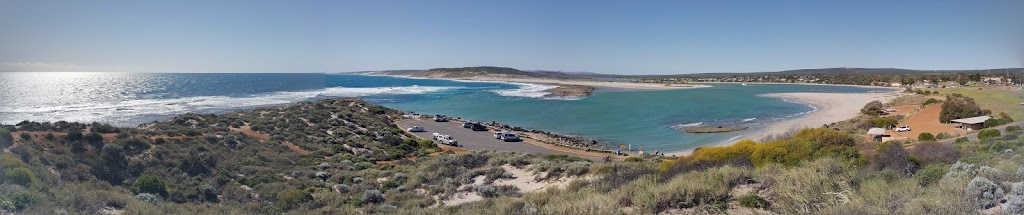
(974, 136)
(480, 140)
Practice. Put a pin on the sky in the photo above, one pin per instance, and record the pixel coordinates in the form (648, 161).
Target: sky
(616, 37)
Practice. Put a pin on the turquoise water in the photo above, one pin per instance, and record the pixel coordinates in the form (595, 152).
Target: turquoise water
(646, 119)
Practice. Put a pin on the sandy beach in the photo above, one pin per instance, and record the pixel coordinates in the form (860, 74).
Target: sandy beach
(598, 84)
(829, 108)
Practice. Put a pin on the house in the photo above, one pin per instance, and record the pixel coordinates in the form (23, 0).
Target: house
(973, 123)
(878, 134)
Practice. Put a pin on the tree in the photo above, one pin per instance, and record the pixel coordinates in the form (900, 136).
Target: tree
(151, 184)
(6, 139)
(958, 107)
(114, 165)
(95, 139)
(926, 137)
(883, 122)
(872, 108)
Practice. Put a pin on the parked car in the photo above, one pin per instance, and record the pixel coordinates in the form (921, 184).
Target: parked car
(467, 124)
(478, 127)
(440, 118)
(510, 137)
(903, 128)
(415, 129)
(446, 139)
(497, 134)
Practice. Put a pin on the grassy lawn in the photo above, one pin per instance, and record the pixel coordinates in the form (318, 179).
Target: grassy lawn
(996, 98)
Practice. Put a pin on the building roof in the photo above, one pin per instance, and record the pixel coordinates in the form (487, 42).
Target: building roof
(972, 120)
(876, 131)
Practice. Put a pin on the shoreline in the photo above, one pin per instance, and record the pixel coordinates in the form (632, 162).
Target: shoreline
(895, 89)
(827, 108)
(599, 85)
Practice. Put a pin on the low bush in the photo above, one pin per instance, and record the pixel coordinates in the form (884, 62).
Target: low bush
(292, 198)
(942, 136)
(752, 201)
(21, 175)
(1013, 128)
(929, 101)
(988, 133)
(25, 136)
(984, 192)
(930, 174)
(151, 184)
(925, 136)
(6, 139)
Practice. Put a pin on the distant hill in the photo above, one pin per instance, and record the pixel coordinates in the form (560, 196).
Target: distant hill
(469, 72)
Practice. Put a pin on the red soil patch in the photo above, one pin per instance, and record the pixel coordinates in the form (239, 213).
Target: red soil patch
(249, 132)
(295, 148)
(925, 120)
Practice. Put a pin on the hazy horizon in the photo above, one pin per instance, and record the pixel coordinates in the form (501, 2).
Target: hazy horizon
(630, 38)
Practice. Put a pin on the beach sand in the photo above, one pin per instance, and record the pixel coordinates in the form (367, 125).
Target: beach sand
(830, 107)
(598, 84)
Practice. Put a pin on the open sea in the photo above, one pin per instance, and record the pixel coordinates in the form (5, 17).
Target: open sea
(648, 119)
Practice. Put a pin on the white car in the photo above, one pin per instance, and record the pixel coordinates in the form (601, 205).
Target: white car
(497, 135)
(446, 139)
(415, 129)
(904, 128)
(509, 137)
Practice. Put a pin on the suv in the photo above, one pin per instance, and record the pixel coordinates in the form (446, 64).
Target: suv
(509, 137)
(467, 124)
(446, 139)
(903, 128)
(440, 118)
(477, 127)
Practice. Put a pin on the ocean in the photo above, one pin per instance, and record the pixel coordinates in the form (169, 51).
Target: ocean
(648, 119)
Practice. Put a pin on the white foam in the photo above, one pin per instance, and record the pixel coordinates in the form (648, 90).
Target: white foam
(526, 90)
(750, 119)
(138, 108)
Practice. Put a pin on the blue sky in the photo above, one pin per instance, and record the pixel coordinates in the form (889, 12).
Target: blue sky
(623, 37)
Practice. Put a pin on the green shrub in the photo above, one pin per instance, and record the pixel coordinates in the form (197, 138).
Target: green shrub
(925, 137)
(634, 159)
(25, 136)
(872, 108)
(292, 198)
(941, 136)
(1013, 128)
(21, 175)
(6, 139)
(930, 174)
(151, 184)
(23, 199)
(929, 101)
(883, 122)
(753, 201)
(988, 133)
(962, 140)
